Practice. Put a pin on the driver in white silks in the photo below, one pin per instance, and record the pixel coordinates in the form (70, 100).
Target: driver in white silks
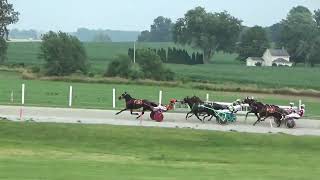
(235, 106)
(297, 115)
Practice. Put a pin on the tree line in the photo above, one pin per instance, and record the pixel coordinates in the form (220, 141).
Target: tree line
(174, 56)
(298, 33)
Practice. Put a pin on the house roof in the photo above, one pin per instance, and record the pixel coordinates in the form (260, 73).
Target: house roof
(256, 58)
(281, 60)
(279, 52)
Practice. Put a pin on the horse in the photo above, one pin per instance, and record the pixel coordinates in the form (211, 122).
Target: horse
(133, 104)
(265, 111)
(255, 107)
(273, 111)
(199, 108)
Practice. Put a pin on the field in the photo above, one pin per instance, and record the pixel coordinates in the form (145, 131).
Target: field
(60, 151)
(48, 93)
(225, 69)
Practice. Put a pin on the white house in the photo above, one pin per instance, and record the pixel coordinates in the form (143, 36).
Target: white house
(271, 57)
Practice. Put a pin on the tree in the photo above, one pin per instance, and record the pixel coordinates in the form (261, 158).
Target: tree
(3, 50)
(274, 33)
(148, 65)
(7, 16)
(160, 31)
(317, 17)
(314, 54)
(299, 28)
(210, 32)
(64, 54)
(253, 43)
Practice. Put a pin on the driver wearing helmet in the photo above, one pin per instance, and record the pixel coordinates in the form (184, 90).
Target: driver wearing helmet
(302, 110)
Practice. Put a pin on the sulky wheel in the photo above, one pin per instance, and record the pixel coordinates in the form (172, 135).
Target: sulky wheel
(222, 121)
(290, 123)
(158, 116)
(152, 115)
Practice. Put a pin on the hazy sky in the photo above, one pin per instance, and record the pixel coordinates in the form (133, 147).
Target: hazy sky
(68, 15)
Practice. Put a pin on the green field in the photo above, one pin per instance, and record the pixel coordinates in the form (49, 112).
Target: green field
(60, 151)
(49, 93)
(225, 69)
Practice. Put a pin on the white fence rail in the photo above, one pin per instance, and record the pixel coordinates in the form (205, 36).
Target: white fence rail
(178, 107)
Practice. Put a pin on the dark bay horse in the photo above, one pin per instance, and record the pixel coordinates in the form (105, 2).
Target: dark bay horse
(133, 104)
(265, 111)
(199, 108)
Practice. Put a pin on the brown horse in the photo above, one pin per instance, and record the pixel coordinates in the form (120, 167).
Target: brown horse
(265, 111)
(133, 104)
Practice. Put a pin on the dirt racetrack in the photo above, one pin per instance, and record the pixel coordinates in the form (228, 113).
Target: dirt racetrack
(172, 120)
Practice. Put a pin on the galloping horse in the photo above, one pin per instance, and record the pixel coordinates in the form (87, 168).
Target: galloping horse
(133, 104)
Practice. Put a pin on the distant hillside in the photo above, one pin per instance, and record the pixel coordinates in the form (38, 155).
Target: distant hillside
(84, 34)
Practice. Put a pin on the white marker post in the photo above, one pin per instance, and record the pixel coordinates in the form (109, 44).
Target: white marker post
(270, 123)
(207, 98)
(22, 94)
(70, 96)
(160, 97)
(22, 101)
(300, 103)
(113, 98)
(11, 97)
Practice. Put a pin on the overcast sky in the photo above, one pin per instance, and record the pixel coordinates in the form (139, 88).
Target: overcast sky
(68, 15)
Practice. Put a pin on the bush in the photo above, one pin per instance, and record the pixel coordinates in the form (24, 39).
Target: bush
(259, 64)
(3, 50)
(274, 65)
(148, 65)
(35, 69)
(91, 74)
(119, 67)
(64, 54)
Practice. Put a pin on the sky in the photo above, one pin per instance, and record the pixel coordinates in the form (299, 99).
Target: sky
(138, 15)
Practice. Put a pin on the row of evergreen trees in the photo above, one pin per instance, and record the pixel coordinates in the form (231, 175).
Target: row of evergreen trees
(175, 56)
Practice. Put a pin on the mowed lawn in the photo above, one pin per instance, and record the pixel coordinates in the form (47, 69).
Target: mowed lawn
(86, 95)
(64, 151)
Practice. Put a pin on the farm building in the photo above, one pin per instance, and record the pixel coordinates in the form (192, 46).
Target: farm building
(271, 57)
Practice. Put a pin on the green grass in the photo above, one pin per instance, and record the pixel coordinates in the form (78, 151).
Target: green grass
(61, 151)
(225, 69)
(49, 93)
(297, 77)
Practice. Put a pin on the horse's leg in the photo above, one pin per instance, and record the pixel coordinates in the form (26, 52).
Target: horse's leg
(132, 113)
(142, 113)
(204, 117)
(187, 116)
(198, 117)
(121, 111)
(247, 115)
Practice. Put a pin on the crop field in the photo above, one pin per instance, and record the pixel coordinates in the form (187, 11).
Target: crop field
(48, 93)
(225, 69)
(64, 151)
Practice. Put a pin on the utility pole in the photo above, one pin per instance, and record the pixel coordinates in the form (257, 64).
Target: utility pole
(134, 52)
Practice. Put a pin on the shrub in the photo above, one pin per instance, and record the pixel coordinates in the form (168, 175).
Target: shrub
(91, 74)
(35, 69)
(148, 65)
(64, 54)
(259, 64)
(274, 65)
(3, 50)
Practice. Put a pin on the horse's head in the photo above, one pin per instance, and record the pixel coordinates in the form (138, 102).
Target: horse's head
(248, 100)
(125, 95)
